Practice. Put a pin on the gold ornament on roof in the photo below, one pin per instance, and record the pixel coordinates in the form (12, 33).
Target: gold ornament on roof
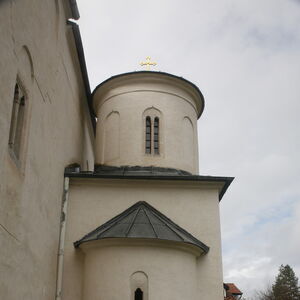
(148, 63)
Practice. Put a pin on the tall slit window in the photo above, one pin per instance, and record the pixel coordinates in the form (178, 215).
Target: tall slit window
(138, 294)
(17, 122)
(148, 135)
(152, 135)
(156, 135)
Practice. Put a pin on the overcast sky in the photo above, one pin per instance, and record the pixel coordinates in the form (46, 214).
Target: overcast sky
(245, 58)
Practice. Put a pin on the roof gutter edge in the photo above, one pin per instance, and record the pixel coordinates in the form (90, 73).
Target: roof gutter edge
(201, 246)
(74, 9)
(226, 180)
(83, 68)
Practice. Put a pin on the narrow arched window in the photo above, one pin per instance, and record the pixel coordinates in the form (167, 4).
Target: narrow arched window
(138, 295)
(16, 130)
(148, 136)
(156, 135)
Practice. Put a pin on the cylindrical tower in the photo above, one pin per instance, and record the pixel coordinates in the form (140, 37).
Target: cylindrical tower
(147, 119)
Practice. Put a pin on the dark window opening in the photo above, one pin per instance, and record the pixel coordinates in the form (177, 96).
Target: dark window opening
(138, 295)
(17, 122)
(148, 135)
(156, 136)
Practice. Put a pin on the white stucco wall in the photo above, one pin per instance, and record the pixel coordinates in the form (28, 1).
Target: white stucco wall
(193, 206)
(171, 273)
(38, 47)
(122, 104)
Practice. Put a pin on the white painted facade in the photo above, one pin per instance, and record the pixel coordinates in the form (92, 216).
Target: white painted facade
(43, 212)
(38, 50)
(103, 269)
(92, 202)
(122, 105)
(163, 278)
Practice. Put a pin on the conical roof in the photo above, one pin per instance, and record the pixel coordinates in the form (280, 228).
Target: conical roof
(142, 221)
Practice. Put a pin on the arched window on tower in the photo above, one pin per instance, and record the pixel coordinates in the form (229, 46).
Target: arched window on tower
(153, 132)
(148, 136)
(156, 135)
(138, 294)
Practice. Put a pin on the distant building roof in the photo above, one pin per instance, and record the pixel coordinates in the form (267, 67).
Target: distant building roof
(142, 221)
(231, 291)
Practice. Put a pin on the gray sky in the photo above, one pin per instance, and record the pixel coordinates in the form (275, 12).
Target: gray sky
(245, 58)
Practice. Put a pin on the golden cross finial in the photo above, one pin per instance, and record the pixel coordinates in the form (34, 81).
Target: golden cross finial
(148, 63)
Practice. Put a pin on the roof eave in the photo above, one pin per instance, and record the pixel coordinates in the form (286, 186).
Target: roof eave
(74, 9)
(202, 249)
(217, 179)
(83, 68)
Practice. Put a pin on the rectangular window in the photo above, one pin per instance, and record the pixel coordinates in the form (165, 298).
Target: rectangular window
(156, 136)
(148, 135)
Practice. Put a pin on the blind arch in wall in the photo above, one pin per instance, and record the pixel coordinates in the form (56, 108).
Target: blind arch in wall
(188, 141)
(112, 137)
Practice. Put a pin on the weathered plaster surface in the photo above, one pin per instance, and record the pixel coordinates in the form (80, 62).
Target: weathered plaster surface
(37, 47)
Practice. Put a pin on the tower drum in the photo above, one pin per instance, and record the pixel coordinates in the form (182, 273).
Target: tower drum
(147, 119)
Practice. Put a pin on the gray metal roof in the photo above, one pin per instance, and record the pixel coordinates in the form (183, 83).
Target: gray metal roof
(74, 9)
(142, 221)
(142, 174)
(139, 170)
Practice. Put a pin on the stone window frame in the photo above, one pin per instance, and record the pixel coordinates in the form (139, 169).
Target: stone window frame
(139, 282)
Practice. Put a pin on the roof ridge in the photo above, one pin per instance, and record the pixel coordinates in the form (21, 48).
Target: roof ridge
(130, 226)
(164, 217)
(151, 224)
(170, 228)
(142, 230)
(125, 213)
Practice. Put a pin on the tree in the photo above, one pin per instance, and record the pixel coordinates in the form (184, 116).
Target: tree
(286, 285)
(265, 295)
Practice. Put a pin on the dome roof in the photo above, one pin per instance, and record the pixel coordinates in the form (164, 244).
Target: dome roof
(155, 77)
(142, 221)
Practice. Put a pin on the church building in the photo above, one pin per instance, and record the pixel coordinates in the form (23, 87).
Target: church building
(101, 196)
